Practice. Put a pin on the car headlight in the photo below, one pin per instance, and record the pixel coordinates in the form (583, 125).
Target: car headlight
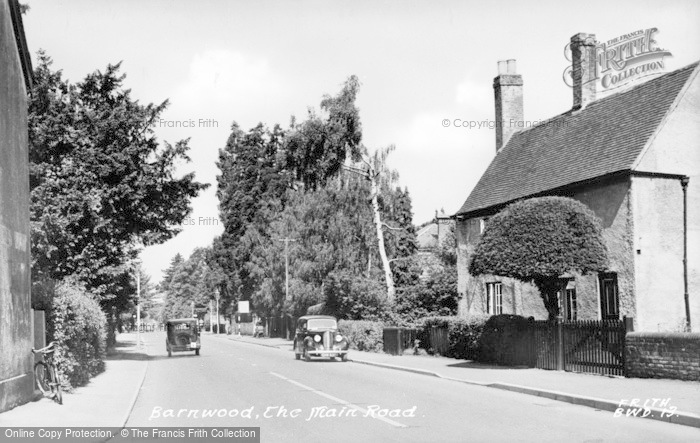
(317, 338)
(338, 338)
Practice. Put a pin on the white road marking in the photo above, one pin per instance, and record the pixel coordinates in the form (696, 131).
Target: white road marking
(363, 411)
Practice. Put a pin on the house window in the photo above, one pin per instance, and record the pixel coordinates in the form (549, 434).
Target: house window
(494, 298)
(567, 299)
(609, 298)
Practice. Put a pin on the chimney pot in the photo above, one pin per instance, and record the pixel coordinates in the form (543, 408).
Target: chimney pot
(502, 67)
(511, 67)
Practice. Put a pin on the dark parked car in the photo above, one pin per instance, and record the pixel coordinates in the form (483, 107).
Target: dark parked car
(318, 336)
(182, 335)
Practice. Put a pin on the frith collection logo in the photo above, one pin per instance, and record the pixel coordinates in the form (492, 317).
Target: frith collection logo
(624, 59)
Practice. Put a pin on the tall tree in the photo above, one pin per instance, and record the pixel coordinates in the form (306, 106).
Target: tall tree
(316, 149)
(170, 271)
(381, 178)
(538, 240)
(401, 236)
(101, 183)
(258, 169)
(191, 283)
(331, 228)
(251, 189)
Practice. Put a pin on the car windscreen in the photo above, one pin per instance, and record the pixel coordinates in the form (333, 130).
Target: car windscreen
(322, 323)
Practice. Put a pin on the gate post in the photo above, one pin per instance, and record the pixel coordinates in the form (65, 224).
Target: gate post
(629, 327)
(532, 351)
(560, 343)
(629, 324)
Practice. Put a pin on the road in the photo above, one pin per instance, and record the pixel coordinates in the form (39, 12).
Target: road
(243, 384)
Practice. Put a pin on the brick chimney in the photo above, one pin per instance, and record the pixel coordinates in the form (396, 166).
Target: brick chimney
(583, 69)
(508, 91)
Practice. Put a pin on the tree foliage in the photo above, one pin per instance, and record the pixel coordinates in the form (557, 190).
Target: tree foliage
(346, 222)
(101, 183)
(291, 184)
(187, 283)
(447, 248)
(400, 236)
(316, 149)
(538, 240)
(350, 297)
(251, 189)
(329, 229)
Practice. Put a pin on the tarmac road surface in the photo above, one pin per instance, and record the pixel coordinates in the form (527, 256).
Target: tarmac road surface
(234, 384)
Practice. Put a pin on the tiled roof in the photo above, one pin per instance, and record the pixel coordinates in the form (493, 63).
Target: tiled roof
(605, 137)
(427, 236)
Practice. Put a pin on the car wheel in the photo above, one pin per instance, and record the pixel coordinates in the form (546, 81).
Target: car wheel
(170, 353)
(196, 352)
(345, 357)
(332, 358)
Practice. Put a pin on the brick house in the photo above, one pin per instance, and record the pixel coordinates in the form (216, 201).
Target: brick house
(16, 334)
(633, 157)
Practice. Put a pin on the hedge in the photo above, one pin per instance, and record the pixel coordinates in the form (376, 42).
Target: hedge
(505, 340)
(78, 326)
(363, 335)
(463, 335)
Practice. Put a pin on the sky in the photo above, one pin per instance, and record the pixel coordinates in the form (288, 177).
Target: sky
(419, 63)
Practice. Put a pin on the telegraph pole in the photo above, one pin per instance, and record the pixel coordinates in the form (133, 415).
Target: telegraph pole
(138, 303)
(286, 241)
(138, 308)
(216, 296)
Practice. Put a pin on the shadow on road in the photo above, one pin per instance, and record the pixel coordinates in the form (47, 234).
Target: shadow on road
(476, 365)
(128, 352)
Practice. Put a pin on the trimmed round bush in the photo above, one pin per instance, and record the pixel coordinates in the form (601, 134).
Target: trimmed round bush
(539, 239)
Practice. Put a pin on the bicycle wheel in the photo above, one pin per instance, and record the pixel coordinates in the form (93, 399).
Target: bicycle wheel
(56, 385)
(42, 377)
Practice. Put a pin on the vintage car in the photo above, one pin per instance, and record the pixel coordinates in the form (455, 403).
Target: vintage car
(182, 335)
(318, 336)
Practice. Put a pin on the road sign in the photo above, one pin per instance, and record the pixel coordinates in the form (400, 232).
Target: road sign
(244, 307)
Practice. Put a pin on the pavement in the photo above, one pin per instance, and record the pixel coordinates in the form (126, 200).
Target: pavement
(126, 369)
(673, 401)
(106, 401)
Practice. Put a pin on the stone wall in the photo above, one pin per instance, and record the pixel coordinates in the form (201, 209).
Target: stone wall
(663, 355)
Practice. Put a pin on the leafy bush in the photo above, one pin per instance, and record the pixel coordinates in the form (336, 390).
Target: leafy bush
(353, 297)
(78, 326)
(437, 296)
(363, 335)
(463, 335)
(305, 295)
(505, 340)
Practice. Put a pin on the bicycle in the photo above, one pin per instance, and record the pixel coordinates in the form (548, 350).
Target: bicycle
(46, 374)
